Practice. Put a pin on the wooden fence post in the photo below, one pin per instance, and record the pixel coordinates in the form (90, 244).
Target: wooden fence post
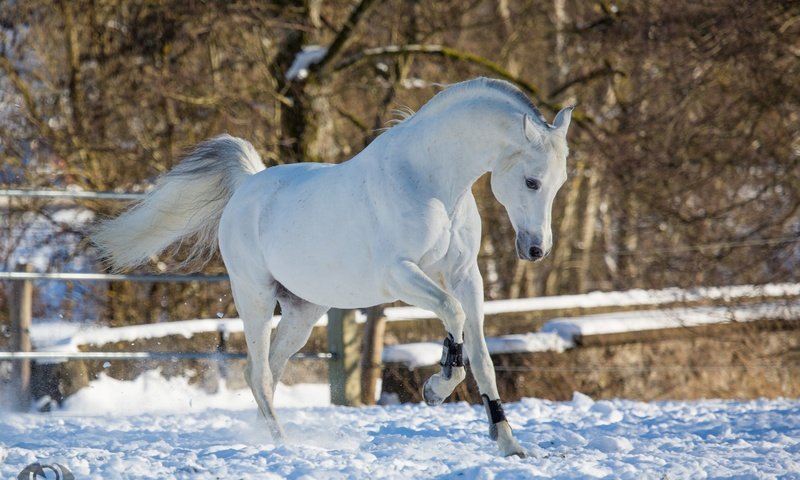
(343, 343)
(371, 359)
(21, 313)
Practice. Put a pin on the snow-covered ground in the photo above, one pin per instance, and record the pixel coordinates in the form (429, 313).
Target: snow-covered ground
(157, 428)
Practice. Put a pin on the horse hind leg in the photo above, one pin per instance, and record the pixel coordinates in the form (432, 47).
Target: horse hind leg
(298, 318)
(255, 307)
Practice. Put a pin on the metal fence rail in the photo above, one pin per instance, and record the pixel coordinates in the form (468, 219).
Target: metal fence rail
(341, 327)
(19, 193)
(110, 277)
(162, 356)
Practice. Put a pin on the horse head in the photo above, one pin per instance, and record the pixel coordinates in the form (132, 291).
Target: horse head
(526, 181)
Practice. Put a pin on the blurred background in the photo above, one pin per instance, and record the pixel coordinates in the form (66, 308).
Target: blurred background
(685, 150)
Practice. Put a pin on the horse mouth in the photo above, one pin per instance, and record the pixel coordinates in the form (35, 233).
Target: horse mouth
(531, 253)
(530, 257)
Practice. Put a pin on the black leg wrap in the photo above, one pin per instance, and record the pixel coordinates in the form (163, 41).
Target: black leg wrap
(452, 356)
(494, 410)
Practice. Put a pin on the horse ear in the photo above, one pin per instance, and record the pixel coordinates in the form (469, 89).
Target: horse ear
(561, 123)
(532, 132)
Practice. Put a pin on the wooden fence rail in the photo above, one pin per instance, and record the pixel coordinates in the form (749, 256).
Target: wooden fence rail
(343, 356)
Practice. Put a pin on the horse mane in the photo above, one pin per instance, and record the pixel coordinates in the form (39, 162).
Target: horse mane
(456, 90)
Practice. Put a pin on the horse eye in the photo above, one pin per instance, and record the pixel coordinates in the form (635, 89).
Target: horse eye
(533, 184)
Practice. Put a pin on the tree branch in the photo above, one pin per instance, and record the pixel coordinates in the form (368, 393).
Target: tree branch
(447, 52)
(439, 50)
(343, 36)
(205, 101)
(74, 67)
(603, 71)
(27, 96)
(578, 117)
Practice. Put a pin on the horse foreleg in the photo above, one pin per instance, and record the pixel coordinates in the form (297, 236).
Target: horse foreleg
(470, 292)
(411, 285)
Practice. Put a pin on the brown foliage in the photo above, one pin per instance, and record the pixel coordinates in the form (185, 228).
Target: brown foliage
(684, 164)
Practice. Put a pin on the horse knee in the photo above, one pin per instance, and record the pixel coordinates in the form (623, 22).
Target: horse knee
(452, 309)
(452, 314)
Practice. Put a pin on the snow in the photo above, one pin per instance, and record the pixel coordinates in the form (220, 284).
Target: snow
(49, 242)
(152, 393)
(308, 56)
(415, 355)
(528, 342)
(157, 428)
(33, 241)
(57, 336)
(559, 334)
(415, 83)
(556, 335)
(618, 322)
(629, 298)
(60, 336)
(66, 337)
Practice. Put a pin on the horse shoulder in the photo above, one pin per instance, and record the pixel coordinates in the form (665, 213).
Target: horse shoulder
(467, 228)
(458, 241)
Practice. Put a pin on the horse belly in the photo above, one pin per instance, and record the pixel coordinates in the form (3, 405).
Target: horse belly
(337, 277)
(321, 248)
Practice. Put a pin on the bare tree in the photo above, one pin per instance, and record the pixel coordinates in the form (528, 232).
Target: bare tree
(684, 168)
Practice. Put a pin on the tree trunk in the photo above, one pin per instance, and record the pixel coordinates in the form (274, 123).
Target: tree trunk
(558, 278)
(588, 232)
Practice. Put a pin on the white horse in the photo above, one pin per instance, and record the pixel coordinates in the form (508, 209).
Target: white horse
(396, 222)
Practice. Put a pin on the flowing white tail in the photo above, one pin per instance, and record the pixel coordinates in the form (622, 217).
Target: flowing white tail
(186, 202)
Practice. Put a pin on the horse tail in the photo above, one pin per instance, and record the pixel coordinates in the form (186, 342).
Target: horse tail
(186, 203)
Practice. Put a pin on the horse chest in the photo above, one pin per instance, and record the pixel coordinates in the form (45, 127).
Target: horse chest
(438, 250)
(453, 246)
(452, 238)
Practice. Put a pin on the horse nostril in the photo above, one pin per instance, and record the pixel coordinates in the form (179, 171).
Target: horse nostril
(536, 253)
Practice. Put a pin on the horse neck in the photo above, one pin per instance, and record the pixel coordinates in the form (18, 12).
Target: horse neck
(451, 150)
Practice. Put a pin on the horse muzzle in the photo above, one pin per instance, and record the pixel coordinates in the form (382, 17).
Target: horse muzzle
(531, 248)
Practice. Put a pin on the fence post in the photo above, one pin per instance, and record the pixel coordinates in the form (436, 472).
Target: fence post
(343, 343)
(21, 313)
(371, 359)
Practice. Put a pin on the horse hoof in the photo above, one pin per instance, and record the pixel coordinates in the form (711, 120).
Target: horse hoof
(512, 449)
(431, 398)
(519, 454)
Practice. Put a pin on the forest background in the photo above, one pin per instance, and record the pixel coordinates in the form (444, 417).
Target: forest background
(684, 154)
